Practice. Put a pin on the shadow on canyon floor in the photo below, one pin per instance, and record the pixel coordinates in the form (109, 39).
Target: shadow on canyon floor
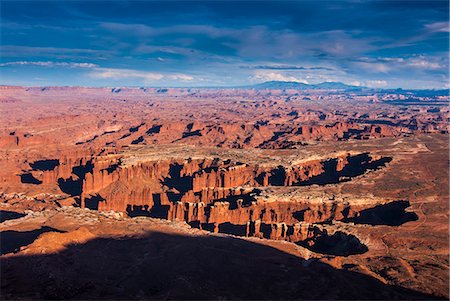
(390, 214)
(339, 243)
(162, 266)
(156, 211)
(45, 165)
(73, 185)
(7, 215)
(28, 178)
(12, 241)
(357, 166)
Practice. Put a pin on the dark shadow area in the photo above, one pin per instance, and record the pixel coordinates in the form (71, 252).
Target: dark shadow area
(12, 241)
(260, 178)
(240, 200)
(125, 136)
(160, 211)
(329, 176)
(74, 186)
(174, 197)
(194, 224)
(82, 169)
(235, 201)
(138, 140)
(87, 141)
(275, 137)
(265, 229)
(300, 215)
(136, 128)
(277, 176)
(370, 121)
(110, 169)
(161, 266)
(44, 165)
(208, 226)
(138, 210)
(28, 178)
(7, 215)
(391, 214)
(70, 186)
(93, 201)
(355, 133)
(154, 130)
(176, 181)
(156, 211)
(339, 244)
(356, 166)
(190, 134)
(189, 127)
(233, 229)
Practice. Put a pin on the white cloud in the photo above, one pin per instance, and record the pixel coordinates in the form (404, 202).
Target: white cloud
(399, 64)
(134, 29)
(275, 76)
(376, 83)
(111, 73)
(53, 52)
(438, 27)
(105, 73)
(423, 63)
(182, 77)
(147, 77)
(373, 67)
(355, 83)
(49, 64)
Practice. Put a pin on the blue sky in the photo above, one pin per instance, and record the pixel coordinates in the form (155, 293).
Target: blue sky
(212, 43)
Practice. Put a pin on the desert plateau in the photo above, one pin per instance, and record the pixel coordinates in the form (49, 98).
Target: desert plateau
(350, 190)
(224, 150)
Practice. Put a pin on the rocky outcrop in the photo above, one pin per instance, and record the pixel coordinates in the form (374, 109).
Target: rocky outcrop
(212, 194)
(219, 195)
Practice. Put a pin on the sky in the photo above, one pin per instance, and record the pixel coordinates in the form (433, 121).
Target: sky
(380, 44)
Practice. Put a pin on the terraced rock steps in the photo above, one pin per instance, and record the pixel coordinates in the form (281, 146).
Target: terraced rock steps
(223, 196)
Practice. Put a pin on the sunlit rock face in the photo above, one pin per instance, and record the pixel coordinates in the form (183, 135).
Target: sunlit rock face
(336, 182)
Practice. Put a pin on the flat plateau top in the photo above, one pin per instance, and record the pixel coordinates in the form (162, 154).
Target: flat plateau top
(133, 155)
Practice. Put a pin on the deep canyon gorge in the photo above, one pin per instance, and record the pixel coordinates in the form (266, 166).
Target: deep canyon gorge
(280, 185)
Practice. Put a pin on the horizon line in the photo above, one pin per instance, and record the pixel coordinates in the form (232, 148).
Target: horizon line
(242, 87)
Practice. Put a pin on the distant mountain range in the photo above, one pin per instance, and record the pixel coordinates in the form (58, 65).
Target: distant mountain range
(271, 85)
(281, 85)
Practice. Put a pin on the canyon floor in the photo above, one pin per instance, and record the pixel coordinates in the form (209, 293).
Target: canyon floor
(217, 194)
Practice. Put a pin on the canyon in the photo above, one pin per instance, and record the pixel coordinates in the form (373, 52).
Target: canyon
(345, 190)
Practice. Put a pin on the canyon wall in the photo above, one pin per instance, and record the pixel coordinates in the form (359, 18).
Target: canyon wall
(212, 194)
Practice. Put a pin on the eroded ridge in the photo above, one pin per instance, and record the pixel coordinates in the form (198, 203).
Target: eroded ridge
(222, 195)
(353, 181)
